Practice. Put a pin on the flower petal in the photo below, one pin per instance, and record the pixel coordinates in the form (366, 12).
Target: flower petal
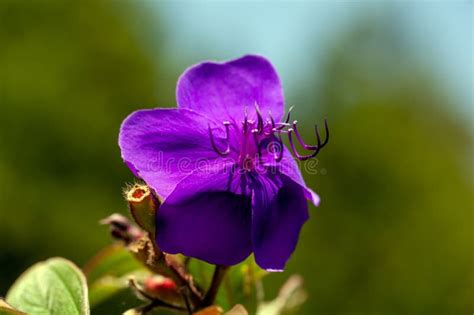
(223, 90)
(162, 146)
(289, 166)
(279, 210)
(203, 218)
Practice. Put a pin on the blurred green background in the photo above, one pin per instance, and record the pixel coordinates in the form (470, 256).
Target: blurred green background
(394, 233)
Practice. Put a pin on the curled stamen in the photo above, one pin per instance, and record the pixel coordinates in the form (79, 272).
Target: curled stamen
(213, 144)
(315, 148)
(318, 137)
(287, 120)
(288, 115)
(272, 122)
(326, 128)
(279, 131)
(279, 155)
(245, 123)
(260, 119)
(255, 133)
(293, 148)
(303, 144)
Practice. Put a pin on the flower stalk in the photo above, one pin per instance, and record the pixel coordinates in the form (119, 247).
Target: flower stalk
(218, 276)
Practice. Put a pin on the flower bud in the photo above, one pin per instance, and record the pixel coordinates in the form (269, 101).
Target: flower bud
(121, 228)
(143, 206)
(159, 283)
(163, 288)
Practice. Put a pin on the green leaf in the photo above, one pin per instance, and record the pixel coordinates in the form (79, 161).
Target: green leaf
(105, 288)
(108, 272)
(54, 286)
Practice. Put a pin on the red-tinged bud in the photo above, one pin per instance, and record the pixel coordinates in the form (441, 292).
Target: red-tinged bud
(143, 206)
(162, 288)
(157, 283)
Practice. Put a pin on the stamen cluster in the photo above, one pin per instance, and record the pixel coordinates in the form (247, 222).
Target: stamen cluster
(261, 130)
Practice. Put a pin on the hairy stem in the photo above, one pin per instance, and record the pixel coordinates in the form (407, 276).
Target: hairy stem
(146, 251)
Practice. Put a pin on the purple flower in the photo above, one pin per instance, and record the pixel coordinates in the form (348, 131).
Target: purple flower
(229, 186)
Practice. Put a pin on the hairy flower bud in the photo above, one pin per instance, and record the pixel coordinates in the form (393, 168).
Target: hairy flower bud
(143, 206)
(121, 228)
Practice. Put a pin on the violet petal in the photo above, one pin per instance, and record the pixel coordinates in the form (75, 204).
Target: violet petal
(162, 146)
(204, 219)
(279, 210)
(223, 90)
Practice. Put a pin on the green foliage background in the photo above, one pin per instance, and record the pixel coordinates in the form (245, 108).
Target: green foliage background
(393, 234)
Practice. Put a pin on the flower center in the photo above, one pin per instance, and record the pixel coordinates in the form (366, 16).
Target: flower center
(262, 139)
(246, 163)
